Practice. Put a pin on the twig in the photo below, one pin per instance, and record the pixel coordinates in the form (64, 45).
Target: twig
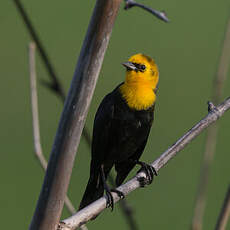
(51, 199)
(225, 213)
(55, 84)
(159, 14)
(35, 118)
(34, 106)
(128, 212)
(98, 206)
(211, 138)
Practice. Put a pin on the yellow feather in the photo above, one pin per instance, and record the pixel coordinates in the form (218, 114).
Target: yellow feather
(139, 87)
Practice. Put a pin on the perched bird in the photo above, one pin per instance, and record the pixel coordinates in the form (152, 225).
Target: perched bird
(121, 129)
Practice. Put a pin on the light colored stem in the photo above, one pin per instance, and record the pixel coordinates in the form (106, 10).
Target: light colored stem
(35, 119)
(225, 213)
(34, 105)
(98, 206)
(56, 182)
(211, 139)
(55, 85)
(218, 85)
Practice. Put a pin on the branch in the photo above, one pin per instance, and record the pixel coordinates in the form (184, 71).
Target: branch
(89, 212)
(211, 139)
(55, 84)
(225, 213)
(51, 199)
(34, 107)
(159, 14)
(128, 213)
(35, 118)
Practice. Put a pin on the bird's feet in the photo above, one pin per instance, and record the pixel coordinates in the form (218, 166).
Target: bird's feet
(108, 191)
(110, 201)
(150, 172)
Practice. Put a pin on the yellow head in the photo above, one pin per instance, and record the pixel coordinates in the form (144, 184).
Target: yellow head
(141, 82)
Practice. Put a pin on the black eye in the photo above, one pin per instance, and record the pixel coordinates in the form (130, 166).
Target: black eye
(142, 67)
(139, 67)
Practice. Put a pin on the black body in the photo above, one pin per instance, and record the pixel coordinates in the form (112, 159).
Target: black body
(119, 138)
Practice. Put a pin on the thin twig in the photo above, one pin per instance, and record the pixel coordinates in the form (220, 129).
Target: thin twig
(98, 206)
(34, 106)
(128, 212)
(35, 118)
(159, 14)
(225, 212)
(55, 84)
(211, 138)
(51, 199)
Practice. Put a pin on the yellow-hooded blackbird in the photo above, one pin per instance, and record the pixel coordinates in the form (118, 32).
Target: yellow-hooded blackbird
(121, 128)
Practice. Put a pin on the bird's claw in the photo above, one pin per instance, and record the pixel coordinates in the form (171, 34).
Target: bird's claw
(110, 200)
(150, 173)
(119, 193)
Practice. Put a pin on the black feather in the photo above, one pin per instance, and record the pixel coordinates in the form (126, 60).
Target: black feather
(119, 138)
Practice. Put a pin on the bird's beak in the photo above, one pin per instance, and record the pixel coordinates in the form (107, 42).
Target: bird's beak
(129, 65)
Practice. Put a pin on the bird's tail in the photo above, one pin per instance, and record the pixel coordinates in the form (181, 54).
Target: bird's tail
(94, 190)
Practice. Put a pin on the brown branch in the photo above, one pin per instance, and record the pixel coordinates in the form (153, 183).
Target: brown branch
(225, 212)
(51, 199)
(159, 14)
(35, 118)
(92, 210)
(211, 138)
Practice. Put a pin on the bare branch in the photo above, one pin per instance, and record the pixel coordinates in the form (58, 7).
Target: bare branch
(211, 139)
(89, 212)
(159, 14)
(35, 118)
(55, 84)
(128, 213)
(225, 213)
(51, 199)
(34, 106)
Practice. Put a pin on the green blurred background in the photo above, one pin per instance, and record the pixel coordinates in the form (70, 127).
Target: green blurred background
(186, 50)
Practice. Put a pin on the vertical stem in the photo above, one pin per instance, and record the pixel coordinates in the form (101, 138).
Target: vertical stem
(225, 213)
(211, 139)
(34, 106)
(51, 199)
(35, 118)
(56, 85)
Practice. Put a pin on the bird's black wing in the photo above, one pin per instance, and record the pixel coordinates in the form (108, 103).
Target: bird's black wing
(102, 123)
(102, 130)
(123, 168)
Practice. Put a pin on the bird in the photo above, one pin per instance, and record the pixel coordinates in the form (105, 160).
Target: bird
(121, 128)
